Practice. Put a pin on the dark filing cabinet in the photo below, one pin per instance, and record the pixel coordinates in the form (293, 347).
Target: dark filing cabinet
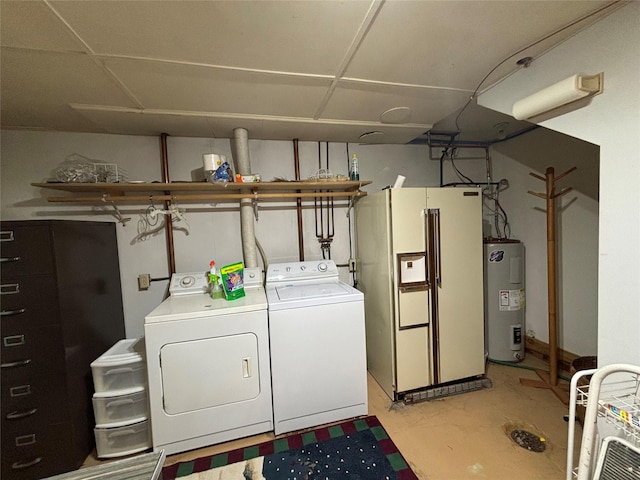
(61, 308)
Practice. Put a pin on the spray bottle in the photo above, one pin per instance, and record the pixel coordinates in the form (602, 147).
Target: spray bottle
(215, 289)
(355, 174)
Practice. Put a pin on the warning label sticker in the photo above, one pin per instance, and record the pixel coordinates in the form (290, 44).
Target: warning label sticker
(511, 300)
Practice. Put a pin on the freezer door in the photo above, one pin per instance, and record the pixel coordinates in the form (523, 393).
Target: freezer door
(411, 314)
(407, 219)
(459, 347)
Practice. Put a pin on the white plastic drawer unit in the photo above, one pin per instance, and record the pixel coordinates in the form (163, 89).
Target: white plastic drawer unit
(116, 410)
(122, 367)
(121, 441)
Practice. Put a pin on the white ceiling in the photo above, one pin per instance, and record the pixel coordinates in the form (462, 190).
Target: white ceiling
(322, 70)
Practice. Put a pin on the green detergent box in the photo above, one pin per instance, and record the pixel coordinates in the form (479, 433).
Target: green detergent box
(233, 280)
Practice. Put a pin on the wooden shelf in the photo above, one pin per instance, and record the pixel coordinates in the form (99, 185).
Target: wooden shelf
(202, 191)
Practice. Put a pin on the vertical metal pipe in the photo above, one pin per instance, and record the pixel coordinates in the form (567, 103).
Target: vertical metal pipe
(296, 163)
(167, 204)
(551, 277)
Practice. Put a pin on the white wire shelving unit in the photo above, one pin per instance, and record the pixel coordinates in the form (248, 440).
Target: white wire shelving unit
(612, 401)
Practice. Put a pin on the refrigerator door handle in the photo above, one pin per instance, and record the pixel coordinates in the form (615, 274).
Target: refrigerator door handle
(432, 230)
(436, 233)
(427, 246)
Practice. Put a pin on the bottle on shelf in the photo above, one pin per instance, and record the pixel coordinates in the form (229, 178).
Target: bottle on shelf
(354, 173)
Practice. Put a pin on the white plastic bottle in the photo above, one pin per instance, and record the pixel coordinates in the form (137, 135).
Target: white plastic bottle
(355, 174)
(214, 281)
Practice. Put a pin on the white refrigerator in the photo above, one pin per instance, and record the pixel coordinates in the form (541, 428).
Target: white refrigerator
(420, 267)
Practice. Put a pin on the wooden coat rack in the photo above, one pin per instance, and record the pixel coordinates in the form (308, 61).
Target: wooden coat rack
(550, 380)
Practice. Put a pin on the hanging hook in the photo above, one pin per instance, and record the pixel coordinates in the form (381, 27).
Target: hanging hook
(117, 213)
(179, 214)
(255, 209)
(350, 206)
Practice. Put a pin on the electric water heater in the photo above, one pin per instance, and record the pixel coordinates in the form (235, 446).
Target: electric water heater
(504, 300)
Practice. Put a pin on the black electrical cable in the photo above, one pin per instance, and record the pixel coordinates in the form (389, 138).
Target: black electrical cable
(461, 175)
(506, 220)
(504, 213)
(497, 224)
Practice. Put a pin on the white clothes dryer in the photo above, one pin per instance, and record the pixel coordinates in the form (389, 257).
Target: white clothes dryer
(318, 346)
(208, 365)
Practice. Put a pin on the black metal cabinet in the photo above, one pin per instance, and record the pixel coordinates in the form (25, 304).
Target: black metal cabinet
(61, 308)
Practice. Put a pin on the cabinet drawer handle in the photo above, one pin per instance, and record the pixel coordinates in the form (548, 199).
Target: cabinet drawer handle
(9, 288)
(20, 391)
(9, 259)
(122, 433)
(119, 403)
(7, 236)
(19, 363)
(24, 440)
(8, 313)
(16, 415)
(118, 371)
(31, 463)
(13, 341)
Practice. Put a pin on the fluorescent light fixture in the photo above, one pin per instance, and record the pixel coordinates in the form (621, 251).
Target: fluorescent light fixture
(567, 91)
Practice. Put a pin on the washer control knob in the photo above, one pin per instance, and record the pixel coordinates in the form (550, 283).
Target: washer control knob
(288, 269)
(187, 281)
(322, 267)
(302, 267)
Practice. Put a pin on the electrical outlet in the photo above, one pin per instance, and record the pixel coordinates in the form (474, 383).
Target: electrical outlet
(352, 265)
(144, 281)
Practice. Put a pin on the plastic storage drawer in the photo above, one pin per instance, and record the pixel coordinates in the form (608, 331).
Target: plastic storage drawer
(121, 441)
(116, 410)
(122, 367)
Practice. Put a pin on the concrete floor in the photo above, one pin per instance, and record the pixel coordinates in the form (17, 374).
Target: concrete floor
(466, 436)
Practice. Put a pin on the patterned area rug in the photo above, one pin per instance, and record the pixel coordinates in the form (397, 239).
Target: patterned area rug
(357, 449)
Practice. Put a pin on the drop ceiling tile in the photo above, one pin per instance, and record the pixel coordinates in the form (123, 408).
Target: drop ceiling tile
(456, 43)
(31, 24)
(205, 89)
(308, 37)
(40, 87)
(367, 102)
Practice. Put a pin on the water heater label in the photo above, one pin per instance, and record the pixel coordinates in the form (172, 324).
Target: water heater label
(511, 300)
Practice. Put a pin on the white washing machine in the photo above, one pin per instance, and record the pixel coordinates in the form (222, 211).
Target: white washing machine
(318, 346)
(208, 365)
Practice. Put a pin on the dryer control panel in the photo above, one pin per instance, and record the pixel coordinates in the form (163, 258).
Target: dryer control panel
(189, 283)
(198, 282)
(308, 270)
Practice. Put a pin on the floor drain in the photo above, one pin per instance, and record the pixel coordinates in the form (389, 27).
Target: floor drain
(528, 440)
